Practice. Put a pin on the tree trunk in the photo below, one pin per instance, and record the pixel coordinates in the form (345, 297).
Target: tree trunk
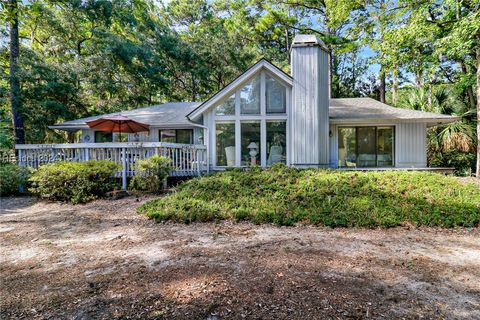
(471, 98)
(287, 45)
(419, 76)
(382, 85)
(331, 92)
(478, 107)
(14, 81)
(395, 86)
(430, 94)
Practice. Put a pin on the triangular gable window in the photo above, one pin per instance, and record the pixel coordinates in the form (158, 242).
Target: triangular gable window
(227, 108)
(250, 97)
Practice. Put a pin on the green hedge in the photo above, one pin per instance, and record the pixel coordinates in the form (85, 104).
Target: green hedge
(286, 196)
(75, 182)
(150, 173)
(13, 179)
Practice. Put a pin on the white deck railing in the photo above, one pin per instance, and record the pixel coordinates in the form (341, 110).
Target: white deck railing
(186, 159)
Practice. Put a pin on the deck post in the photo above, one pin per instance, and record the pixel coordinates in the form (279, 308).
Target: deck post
(20, 158)
(124, 168)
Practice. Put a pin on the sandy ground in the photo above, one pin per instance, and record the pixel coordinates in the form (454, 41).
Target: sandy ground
(102, 261)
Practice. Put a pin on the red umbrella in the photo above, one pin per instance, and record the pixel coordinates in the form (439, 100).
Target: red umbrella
(117, 124)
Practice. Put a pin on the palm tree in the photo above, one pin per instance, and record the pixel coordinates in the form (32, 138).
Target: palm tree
(458, 136)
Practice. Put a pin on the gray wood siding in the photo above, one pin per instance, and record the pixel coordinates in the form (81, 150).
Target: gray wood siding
(88, 136)
(333, 146)
(309, 118)
(209, 136)
(411, 145)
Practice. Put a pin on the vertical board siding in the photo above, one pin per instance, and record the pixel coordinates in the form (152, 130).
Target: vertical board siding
(87, 133)
(411, 145)
(139, 136)
(310, 123)
(333, 146)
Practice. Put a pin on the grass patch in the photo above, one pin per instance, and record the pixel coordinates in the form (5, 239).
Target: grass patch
(286, 196)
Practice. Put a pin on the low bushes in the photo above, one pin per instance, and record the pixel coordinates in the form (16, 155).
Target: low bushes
(13, 179)
(286, 196)
(75, 182)
(150, 173)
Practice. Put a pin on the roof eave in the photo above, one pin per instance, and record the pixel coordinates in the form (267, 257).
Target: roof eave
(428, 121)
(69, 127)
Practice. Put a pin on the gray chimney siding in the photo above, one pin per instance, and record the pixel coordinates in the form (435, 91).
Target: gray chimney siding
(309, 116)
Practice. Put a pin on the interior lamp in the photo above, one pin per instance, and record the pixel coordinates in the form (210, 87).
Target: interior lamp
(253, 147)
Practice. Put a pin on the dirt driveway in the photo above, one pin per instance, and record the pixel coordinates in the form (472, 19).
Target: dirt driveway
(102, 260)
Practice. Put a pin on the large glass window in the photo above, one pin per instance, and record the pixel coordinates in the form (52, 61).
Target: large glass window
(250, 97)
(225, 146)
(258, 134)
(365, 147)
(176, 136)
(276, 96)
(347, 147)
(227, 107)
(385, 146)
(101, 136)
(250, 140)
(276, 142)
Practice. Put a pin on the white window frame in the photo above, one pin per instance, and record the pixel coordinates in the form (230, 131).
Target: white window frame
(263, 117)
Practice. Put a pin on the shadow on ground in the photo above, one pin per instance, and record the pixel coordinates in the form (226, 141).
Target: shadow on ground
(102, 260)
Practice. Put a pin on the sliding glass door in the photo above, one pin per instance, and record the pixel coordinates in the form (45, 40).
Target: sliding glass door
(365, 147)
(385, 146)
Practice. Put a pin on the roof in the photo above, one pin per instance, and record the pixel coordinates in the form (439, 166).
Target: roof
(167, 114)
(306, 40)
(228, 90)
(349, 110)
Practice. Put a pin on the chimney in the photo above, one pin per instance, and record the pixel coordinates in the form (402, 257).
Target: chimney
(309, 118)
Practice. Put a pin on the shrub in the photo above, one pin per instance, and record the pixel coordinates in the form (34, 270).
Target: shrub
(150, 173)
(286, 196)
(74, 181)
(463, 162)
(13, 179)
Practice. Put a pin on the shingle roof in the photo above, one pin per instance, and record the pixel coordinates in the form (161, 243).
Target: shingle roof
(368, 109)
(341, 111)
(172, 113)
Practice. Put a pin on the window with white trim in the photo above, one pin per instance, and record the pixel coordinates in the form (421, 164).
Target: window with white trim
(251, 124)
(276, 95)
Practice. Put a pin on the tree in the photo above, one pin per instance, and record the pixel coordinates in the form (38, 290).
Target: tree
(15, 99)
(461, 40)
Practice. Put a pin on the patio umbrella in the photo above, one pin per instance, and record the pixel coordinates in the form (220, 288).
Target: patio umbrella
(117, 124)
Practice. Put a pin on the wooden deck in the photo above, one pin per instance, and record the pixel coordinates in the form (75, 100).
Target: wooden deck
(187, 160)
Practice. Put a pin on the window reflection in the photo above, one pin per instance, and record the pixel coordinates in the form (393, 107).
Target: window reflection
(366, 147)
(226, 108)
(347, 146)
(225, 146)
(276, 96)
(276, 142)
(250, 97)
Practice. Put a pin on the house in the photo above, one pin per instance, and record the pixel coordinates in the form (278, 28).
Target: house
(266, 116)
